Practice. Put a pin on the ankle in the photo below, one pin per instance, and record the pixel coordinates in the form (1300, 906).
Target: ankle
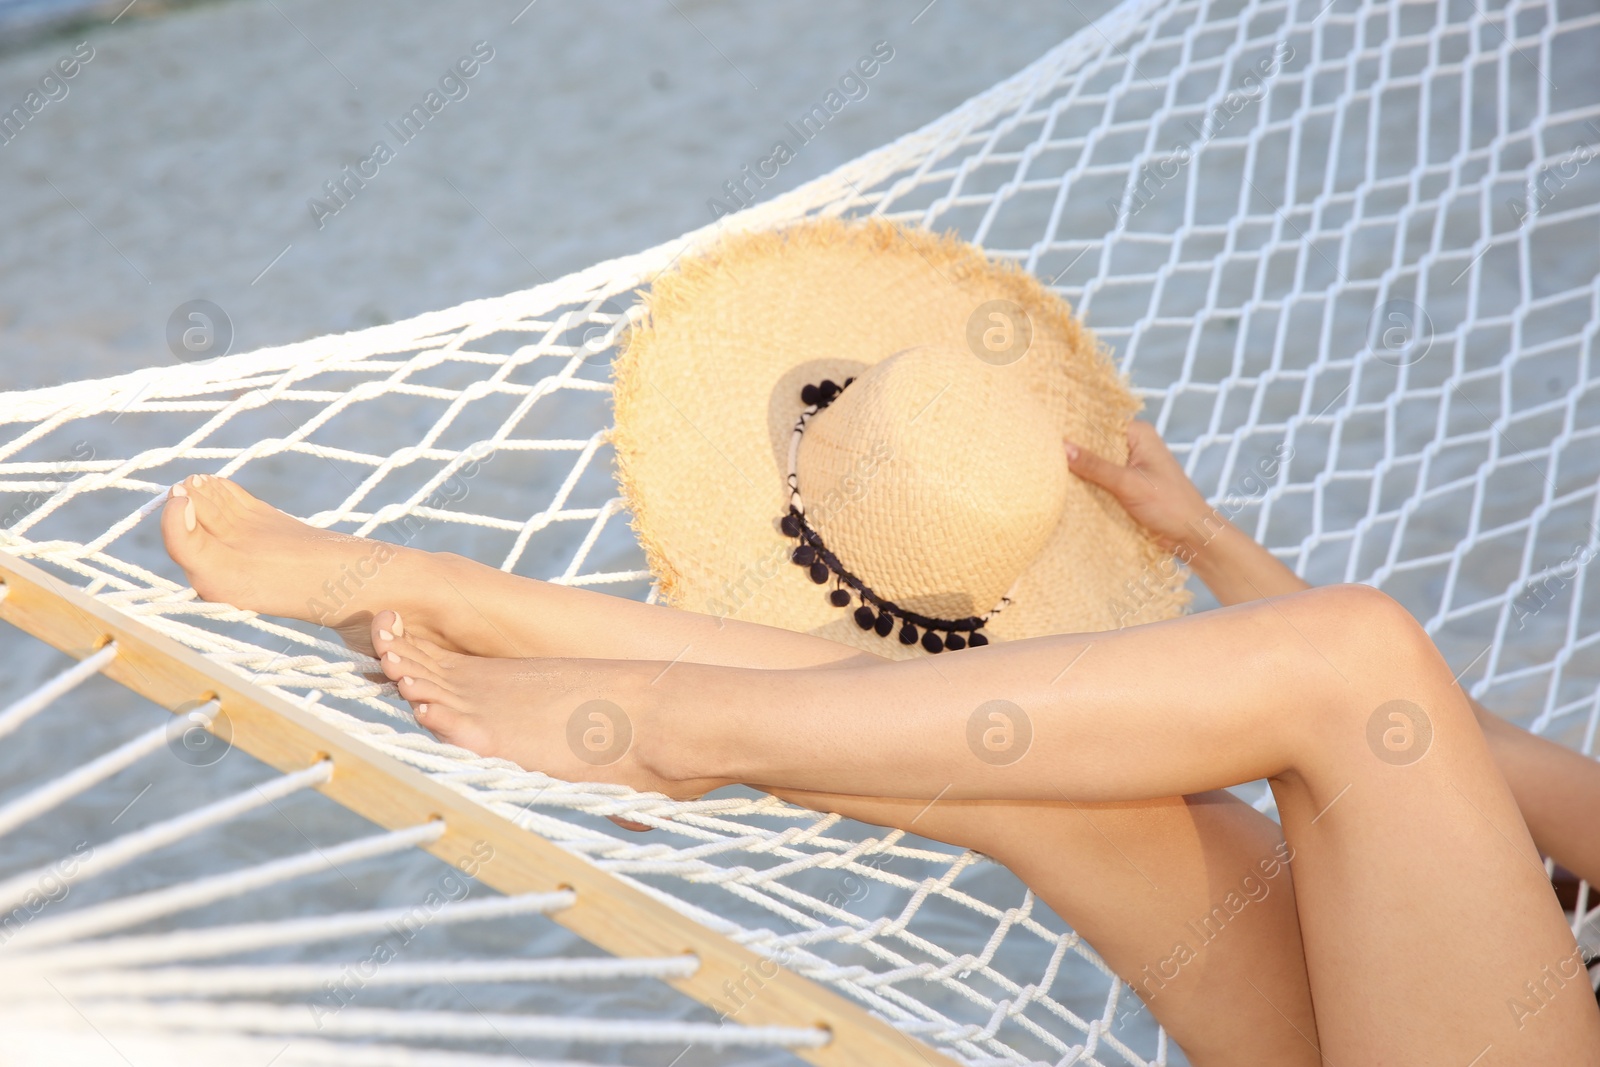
(676, 735)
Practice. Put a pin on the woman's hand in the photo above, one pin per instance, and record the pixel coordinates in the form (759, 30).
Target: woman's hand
(1151, 487)
(1162, 499)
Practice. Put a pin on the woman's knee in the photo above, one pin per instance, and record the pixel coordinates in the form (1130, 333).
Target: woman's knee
(1364, 633)
(1388, 682)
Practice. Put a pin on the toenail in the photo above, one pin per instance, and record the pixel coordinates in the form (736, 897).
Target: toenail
(399, 627)
(391, 657)
(188, 516)
(405, 681)
(385, 635)
(179, 490)
(422, 709)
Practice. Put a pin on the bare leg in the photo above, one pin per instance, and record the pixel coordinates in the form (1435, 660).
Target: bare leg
(1422, 902)
(1556, 789)
(1143, 878)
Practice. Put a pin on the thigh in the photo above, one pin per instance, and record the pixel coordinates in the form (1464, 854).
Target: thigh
(1189, 899)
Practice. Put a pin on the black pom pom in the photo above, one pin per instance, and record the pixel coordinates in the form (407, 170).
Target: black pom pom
(819, 572)
(865, 617)
(908, 634)
(810, 395)
(790, 526)
(839, 597)
(977, 640)
(804, 555)
(932, 642)
(955, 642)
(884, 624)
(829, 389)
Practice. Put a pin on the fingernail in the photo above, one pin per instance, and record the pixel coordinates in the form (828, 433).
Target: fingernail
(399, 627)
(179, 491)
(385, 635)
(188, 515)
(1072, 451)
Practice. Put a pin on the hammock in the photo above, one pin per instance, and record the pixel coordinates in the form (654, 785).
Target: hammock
(1348, 253)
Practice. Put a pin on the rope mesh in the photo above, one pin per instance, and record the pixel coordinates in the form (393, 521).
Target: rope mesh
(1347, 252)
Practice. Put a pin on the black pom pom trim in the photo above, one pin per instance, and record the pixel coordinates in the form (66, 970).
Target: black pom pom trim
(874, 613)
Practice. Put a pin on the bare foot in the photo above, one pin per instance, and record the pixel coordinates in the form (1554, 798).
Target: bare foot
(564, 717)
(240, 551)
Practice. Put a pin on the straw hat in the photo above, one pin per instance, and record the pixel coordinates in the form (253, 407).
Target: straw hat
(854, 429)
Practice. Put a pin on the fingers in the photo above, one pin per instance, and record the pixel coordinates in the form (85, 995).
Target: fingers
(1145, 446)
(1096, 469)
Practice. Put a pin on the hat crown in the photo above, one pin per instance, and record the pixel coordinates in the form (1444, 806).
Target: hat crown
(936, 480)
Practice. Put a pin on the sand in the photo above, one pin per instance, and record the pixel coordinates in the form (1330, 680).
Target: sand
(183, 158)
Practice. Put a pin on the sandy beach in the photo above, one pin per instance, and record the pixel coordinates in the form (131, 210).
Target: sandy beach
(294, 169)
(183, 159)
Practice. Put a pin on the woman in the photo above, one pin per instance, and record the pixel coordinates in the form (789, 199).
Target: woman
(1417, 925)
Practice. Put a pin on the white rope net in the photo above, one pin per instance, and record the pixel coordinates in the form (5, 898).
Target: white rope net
(1348, 252)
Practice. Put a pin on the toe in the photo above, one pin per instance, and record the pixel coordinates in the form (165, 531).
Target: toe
(180, 529)
(421, 690)
(401, 656)
(386, 626)
(426, 650)
(214, 505)
(445, 722)
(226, 490)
